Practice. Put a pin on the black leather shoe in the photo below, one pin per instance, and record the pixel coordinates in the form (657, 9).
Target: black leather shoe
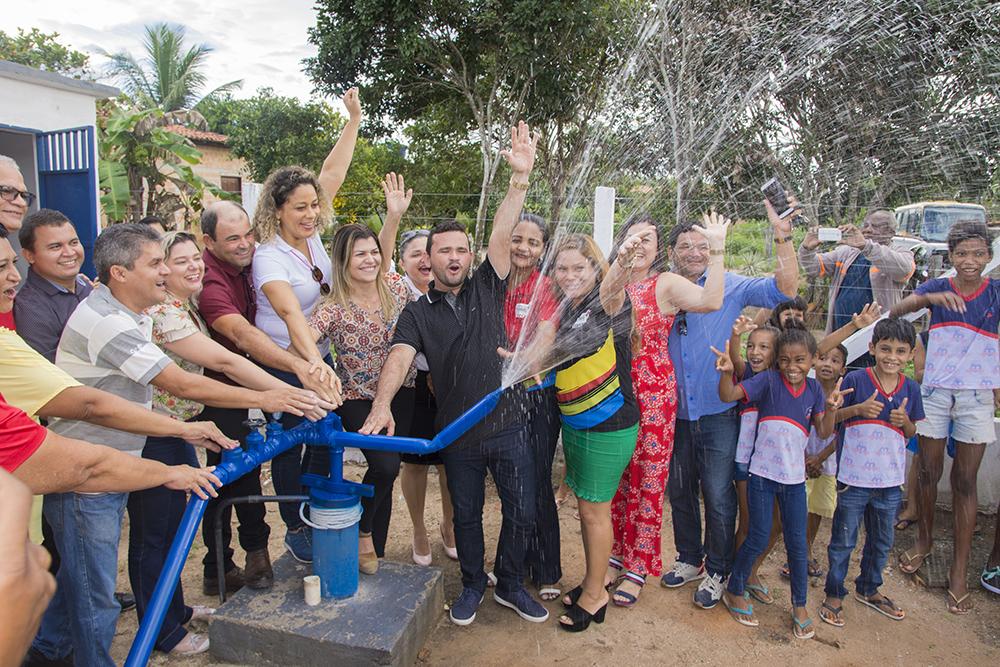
(125, 600)
(34, 658)
(234, 582)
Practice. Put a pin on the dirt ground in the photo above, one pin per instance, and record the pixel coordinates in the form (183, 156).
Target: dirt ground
(665, 625)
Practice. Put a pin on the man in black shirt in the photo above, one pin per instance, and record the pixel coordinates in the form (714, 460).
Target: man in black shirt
(459, 325)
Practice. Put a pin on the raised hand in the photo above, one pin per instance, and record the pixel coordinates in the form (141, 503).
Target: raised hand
(783, 226)
(836, 397)
(871, 408)
(869, 314)
(352, 101)
(811, 240)
(521, 155)
(397, 197)
(723, 363)
(631, 245)
(898, 417)
(742, 325)
(948, 300)
(852, 236)
(714, 228)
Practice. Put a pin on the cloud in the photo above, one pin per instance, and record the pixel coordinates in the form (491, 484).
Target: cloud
(254, 40)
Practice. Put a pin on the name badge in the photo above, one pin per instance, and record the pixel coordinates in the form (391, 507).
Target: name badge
(580, 321)
(521, 310)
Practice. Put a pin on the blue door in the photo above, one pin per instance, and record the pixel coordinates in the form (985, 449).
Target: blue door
(67, 182)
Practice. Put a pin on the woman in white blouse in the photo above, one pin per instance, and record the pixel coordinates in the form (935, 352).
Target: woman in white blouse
(291, 272)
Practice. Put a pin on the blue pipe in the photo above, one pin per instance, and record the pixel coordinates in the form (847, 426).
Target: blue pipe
(238, 462)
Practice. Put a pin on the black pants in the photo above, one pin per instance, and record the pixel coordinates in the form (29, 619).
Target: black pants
(252, 527)
(542, 558)
(154, 516)
(383, 467)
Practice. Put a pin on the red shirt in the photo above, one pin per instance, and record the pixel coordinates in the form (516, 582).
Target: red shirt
(522, 304)
(7, 320)
(20, 436)
(226, 290)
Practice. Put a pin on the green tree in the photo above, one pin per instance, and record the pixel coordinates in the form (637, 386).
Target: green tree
(170, 74)
(145, 169)
(487, 63)
(43, 51)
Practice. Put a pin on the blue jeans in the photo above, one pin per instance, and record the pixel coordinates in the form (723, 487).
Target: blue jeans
(877, 507)
(704, 460)
(543, 555)
(83, 614)
(761, 494)
(287, 467)
(154, 516)
(508, 457)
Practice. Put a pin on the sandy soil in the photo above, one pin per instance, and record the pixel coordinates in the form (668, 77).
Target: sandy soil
(665, 625)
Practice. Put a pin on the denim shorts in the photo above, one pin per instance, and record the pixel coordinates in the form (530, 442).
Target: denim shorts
(742, 473)
(965, 414)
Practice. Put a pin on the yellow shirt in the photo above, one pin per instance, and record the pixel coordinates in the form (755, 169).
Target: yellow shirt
(27, 379)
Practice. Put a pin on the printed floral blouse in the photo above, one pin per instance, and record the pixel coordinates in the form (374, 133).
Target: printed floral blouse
(175, 320)
(361, 339)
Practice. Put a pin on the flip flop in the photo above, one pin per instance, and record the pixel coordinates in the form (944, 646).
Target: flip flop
(906, 562)
(836, 621)
(814, 569)
(742, 616)
(955, 605)
(903, 524)
(884, 606)
(760, 593)
(799, 628)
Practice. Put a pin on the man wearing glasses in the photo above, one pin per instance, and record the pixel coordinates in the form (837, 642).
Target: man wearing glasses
(15, 200)
(707, 428)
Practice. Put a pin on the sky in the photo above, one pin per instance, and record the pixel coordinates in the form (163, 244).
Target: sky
(261, 42)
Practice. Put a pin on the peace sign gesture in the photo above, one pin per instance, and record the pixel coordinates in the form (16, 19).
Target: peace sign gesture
(836, 397)
(723, 363)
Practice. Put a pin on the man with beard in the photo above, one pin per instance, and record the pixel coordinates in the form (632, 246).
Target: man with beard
(459, 325)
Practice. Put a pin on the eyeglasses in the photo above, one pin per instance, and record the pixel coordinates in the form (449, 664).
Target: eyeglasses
(682, 323)
(9, 193)
(324, 288)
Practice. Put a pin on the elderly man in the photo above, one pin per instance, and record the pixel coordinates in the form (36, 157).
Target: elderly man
(14, 197)
(862, 268)
(707, 428)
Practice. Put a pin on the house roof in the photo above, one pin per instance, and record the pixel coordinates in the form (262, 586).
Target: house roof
(199, 136)
(9, 70)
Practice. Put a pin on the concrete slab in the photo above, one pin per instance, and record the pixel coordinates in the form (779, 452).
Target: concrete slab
(386, 623)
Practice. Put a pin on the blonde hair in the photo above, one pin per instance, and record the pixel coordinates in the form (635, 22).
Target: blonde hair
(586, 246)
(170, 239)
(275, 192)
(343, 247)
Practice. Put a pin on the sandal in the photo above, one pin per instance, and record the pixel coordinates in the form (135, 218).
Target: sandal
(903, 524)
(570, 599)
(200, 612)
(785, 572)
(549, 593)
(192, 644)
(624, 598)
(580, 618)
(741, 616)
(830, 614)
(906, 562)
(814, 569)
(955, 606)
(799, 628)
(760, 592)
(883, 606)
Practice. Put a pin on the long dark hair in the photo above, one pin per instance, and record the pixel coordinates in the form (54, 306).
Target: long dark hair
(644, 218)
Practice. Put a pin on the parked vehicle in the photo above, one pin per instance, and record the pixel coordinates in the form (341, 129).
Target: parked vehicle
(923, 228)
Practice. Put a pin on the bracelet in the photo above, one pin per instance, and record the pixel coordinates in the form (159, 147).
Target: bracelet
(517, 185)
(717, 253)
(782, 239)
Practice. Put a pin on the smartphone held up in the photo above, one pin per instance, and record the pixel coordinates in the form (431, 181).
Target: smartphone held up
(775, 193)
(829, 235)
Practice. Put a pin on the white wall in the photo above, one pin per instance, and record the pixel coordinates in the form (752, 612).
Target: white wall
(39, 107)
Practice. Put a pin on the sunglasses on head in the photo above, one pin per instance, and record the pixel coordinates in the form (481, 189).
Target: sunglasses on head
(324, 288)
(682, 323)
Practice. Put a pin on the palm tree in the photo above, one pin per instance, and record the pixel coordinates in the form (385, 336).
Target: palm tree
(167, 77)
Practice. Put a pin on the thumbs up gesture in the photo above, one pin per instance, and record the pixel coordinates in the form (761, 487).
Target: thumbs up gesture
(871, 408)
(899, 417)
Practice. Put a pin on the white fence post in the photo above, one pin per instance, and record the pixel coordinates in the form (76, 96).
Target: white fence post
(604, 218)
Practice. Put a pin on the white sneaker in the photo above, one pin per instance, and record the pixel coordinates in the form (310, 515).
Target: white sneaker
(680, 574)
(709, 592)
